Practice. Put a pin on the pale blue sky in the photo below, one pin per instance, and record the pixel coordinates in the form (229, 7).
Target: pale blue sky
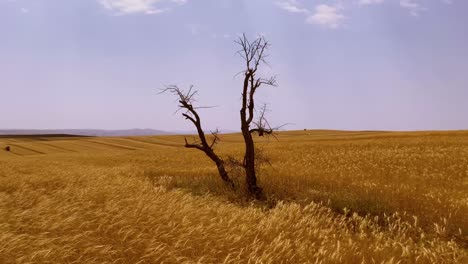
(357, 64)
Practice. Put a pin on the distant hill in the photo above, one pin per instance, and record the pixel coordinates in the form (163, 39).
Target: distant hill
(86, 132)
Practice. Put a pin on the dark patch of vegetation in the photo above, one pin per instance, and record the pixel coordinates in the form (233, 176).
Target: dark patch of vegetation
(42, 136)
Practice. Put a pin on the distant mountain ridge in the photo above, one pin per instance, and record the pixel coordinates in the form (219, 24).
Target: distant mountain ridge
(86, 132)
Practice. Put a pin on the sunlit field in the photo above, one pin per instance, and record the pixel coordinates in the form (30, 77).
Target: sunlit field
(333, 197)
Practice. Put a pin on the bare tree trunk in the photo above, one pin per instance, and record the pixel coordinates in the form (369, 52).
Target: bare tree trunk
(254, 54)
(249, 165)
(191, 114)
(249, 156)
(219, 164)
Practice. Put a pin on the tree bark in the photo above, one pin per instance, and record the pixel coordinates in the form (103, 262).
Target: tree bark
(191, 114)
(220, 165)
(249, 166)
(208, 150)
(249, 156)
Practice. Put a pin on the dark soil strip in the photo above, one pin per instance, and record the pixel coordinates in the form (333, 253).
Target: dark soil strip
(81, 146)
(62, 148)
(111, 145)
(158, 144)
(134, 141)
(43, 136)
(17, 154)
(38, 152)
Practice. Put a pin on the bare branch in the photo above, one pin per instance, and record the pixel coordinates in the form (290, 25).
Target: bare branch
(269, 82)
(254, 54)
(262, 125)
(216, 138)
(186, 100)
(189, 118)
(193, 145)
(233, 162)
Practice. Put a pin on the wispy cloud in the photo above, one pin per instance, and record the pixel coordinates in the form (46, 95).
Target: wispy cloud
(148, 7)
(413, 6)
(327, 15)
(332, 15)
(24, 10)
(370, 2)
(292, 6)
(180, 2)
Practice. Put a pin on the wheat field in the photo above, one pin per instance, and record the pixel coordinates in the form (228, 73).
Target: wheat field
(333, 197)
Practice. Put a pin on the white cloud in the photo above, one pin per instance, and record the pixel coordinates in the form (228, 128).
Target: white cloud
(448, 1)
(292, 6)
(413, 6)
(180, 2)
(324, 15)
(328, 16)
(370, 2)
(138, 6)
(24, 10)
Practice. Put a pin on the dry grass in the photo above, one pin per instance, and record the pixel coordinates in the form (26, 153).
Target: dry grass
(98, 201)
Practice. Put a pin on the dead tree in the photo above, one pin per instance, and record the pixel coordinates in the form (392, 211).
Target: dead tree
(254, 55)
(186, 100)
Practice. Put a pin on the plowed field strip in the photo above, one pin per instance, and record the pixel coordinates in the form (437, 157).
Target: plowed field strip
(58, 147)
(158, 143)
(110, 144)
(15, 146)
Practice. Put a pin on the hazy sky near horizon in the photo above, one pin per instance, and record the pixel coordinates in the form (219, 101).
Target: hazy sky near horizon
(355, 64)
